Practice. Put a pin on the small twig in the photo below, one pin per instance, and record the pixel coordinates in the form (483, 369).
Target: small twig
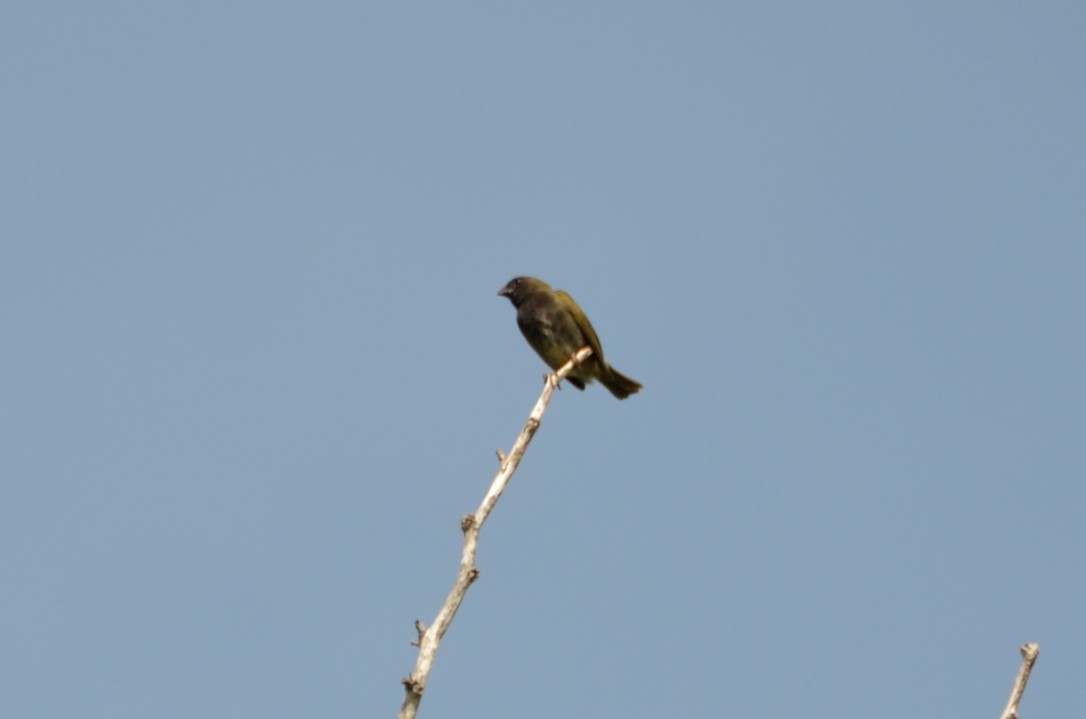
(1029, 652)
(421, 629)
(430, 637)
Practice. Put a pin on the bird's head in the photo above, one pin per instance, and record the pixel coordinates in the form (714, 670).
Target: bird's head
(520, 288)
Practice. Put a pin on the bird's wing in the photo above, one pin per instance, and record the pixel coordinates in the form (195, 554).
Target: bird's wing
(581, 319)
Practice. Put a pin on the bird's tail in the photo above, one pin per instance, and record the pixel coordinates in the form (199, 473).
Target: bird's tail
(619, 384)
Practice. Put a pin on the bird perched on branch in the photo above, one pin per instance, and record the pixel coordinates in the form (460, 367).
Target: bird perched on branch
(556, 328)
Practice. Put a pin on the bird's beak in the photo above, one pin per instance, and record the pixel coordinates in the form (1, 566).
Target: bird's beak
(504, 291)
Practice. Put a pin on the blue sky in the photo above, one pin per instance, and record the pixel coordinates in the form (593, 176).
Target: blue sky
(255, 370)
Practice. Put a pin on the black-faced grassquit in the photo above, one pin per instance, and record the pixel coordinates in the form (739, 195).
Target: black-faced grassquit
(556, 328)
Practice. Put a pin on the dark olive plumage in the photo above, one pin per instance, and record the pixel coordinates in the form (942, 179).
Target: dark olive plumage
(556, 328)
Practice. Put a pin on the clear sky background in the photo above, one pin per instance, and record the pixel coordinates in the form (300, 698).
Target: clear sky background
(254, 369)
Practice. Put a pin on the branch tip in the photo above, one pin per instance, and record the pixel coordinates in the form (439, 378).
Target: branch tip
(1029, 652)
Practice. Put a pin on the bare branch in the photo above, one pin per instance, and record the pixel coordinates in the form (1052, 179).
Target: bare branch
(1029, 652)
(430, 637)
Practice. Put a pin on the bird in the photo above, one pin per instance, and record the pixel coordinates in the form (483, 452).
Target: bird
(556, 327)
